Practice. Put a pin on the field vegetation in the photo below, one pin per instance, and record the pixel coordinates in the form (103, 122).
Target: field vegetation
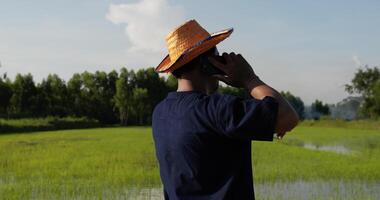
(120, 163)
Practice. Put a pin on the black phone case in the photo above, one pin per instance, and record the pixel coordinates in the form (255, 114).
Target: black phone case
(210, 69)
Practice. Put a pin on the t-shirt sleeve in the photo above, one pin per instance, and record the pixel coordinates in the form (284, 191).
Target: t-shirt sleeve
(250, 119)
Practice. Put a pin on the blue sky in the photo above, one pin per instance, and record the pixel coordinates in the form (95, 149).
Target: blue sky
(311, 48)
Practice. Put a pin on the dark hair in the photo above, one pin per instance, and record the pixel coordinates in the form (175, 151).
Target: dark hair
(190, 66)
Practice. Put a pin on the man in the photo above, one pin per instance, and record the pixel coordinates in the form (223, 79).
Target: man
(203, 138)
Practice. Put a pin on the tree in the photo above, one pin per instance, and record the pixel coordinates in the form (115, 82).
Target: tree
(318, 109)
(346, 109)
(23, 100)
(88, 96)
(240, 92)
(372, 105)
(171, 83)
(366, 83)
(296, 102)
(140, 104)
(53, 94)
(105, 91)
(92, 95)
(156, 87)
(5, 96)
(122, 98)
(98, 95)
(75, 96)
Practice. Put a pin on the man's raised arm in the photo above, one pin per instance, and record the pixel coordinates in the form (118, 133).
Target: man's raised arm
(240, 74)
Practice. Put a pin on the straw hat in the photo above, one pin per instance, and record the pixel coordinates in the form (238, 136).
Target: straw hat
(186, 42)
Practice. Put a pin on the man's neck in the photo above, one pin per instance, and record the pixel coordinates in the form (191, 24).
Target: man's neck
(188, 85)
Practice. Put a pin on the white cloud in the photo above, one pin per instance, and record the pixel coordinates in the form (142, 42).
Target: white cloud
(147, 22)
(356, 60)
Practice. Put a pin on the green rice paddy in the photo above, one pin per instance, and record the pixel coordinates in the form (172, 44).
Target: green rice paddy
(119, 163)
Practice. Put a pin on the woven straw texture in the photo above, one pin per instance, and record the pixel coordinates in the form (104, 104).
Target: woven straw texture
(186, 42)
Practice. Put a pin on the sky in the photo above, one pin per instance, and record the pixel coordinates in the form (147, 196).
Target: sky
(310, 48)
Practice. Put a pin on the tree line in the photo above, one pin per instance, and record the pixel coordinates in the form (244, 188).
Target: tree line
(128, 97)
(125, 97)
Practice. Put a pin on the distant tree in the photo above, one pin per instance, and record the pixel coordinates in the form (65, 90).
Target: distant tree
(92, 95)
(171, 83)
(99, 95)
(112, 77)
(5, 96)
(75, 96)
(372, 104)
(318, 109)
(140, 104)
(296, 102)
(363, 81)
(366, 82)
(23, 100)
(156, 87)
(89, 96)
(123, 96)
(240, 92)
(107, 92)
(346, 109)
(53, 98)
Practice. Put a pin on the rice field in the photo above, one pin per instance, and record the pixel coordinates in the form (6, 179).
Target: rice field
(119, 163)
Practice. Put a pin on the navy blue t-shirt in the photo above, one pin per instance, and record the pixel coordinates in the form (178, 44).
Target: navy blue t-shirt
(203, 143)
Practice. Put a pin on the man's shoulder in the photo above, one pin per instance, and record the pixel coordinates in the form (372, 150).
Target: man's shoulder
(159, 104)
(156, 108)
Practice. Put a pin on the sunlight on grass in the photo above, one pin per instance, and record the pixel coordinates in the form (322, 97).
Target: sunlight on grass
(120, 163)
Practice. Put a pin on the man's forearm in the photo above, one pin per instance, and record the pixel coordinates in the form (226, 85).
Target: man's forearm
(287, 118)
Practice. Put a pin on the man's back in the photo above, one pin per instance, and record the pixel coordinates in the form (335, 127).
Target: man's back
(203, 143)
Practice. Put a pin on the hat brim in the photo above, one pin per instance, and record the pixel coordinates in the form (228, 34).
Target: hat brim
(168, 65)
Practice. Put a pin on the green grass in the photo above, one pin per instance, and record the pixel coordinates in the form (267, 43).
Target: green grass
(44, 124)
(368, 124)
(78, 162)
(108, 162)
(288, 160)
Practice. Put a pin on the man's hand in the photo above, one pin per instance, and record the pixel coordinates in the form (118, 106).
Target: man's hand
(240, 74)
(238, 71)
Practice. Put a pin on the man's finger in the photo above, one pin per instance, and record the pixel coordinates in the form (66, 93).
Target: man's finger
(233, 55)
(227, 57)
(281, 135)
(240, 58)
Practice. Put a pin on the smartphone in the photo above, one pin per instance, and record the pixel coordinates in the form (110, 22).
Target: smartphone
(209, 68)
